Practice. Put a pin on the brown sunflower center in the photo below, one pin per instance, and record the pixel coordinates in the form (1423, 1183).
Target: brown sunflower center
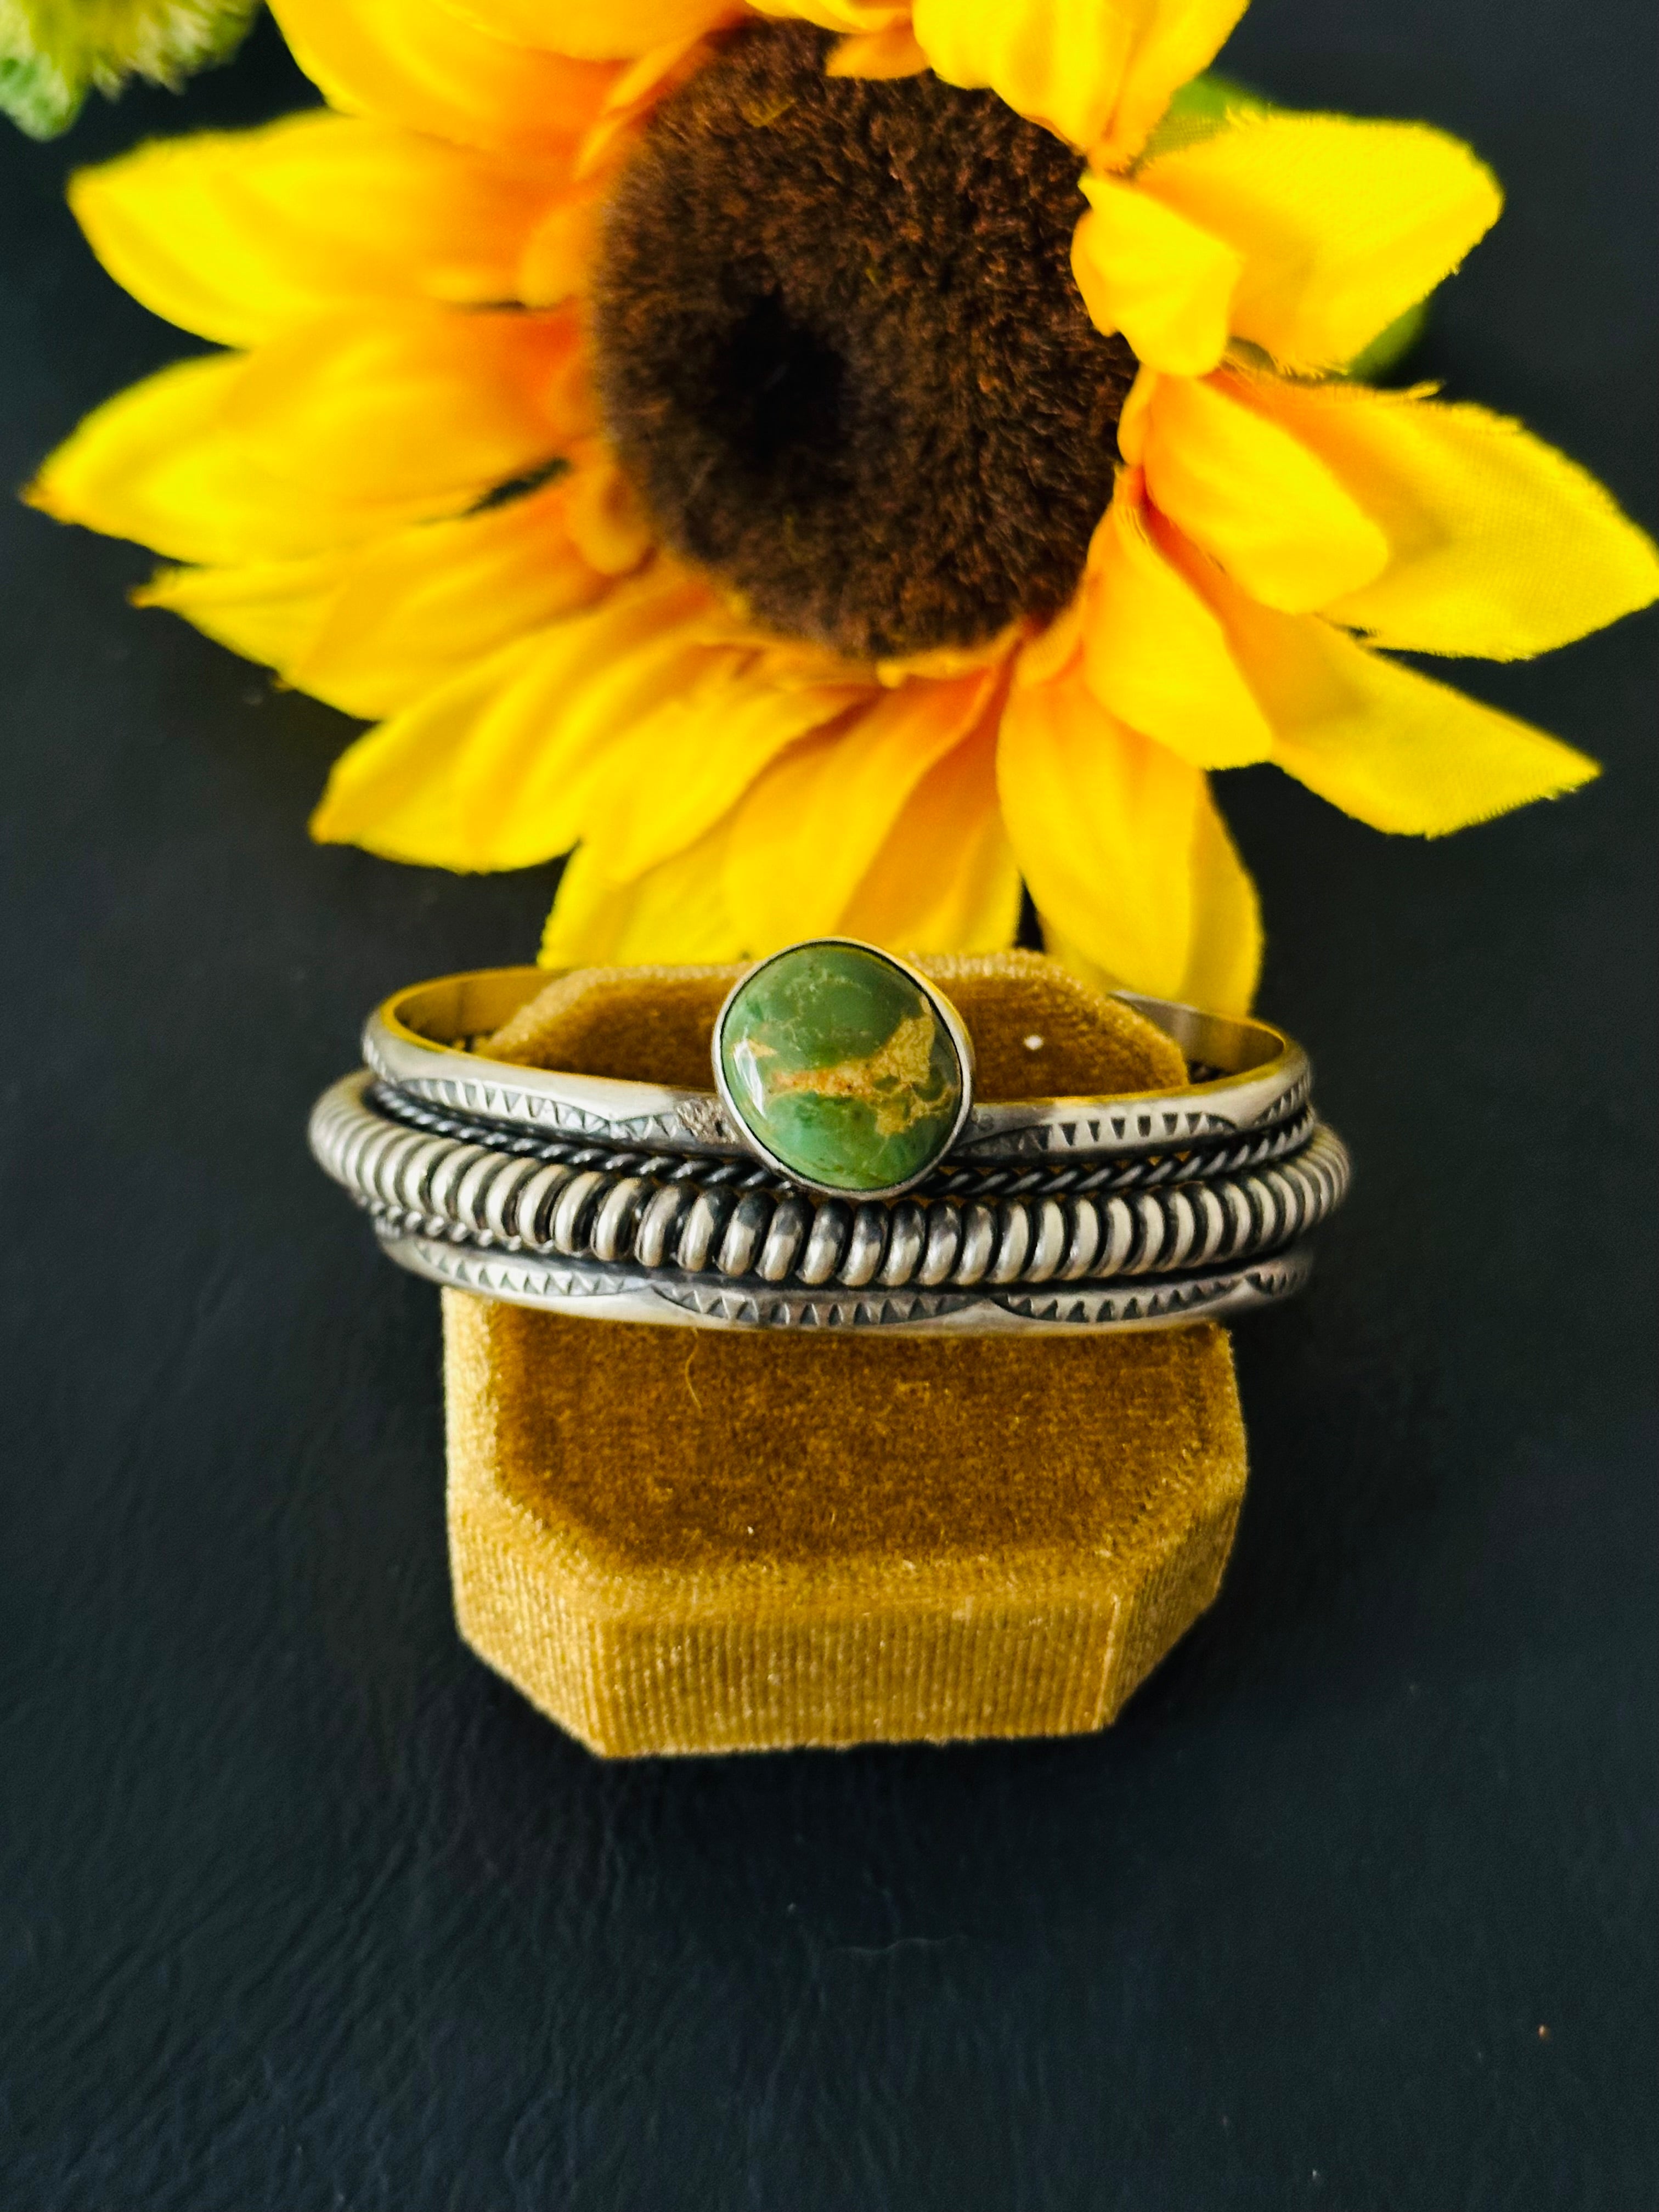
(840, 353)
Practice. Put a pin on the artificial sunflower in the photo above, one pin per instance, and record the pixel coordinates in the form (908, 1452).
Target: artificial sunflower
(821, 462)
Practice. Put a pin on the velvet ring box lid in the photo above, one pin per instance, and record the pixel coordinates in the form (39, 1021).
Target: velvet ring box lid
(697, 1541)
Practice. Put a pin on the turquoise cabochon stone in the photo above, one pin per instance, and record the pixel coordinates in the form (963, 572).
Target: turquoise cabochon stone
(839, 1065)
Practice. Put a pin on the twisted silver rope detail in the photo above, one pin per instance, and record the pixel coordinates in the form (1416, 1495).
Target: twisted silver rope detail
(1203, 1159)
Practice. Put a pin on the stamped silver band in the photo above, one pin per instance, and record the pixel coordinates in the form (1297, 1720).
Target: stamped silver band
(954, 1177)
(631, 1294)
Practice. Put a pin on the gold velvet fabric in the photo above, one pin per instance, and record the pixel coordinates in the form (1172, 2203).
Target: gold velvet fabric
(685, 1539)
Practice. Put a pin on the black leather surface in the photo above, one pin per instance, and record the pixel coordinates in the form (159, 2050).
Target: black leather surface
(301, 1908)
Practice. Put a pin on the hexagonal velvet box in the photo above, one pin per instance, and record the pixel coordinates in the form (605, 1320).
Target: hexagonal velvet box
(688, 1540)
(675, 1540)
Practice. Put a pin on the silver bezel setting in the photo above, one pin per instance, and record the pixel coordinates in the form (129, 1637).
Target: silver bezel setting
(949, 1020)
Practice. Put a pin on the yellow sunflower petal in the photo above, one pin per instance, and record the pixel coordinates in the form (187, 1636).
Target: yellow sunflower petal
(394, 790)
(638, 89)
(1092, 71)
(682, 765)
(1144, 269)
(890, 53)
(855, 18)
(158, 465)
(1132, 423)
(942, 662)
(1059, 63)
(1178, 39)
(1386, 745)
(493, 769)
(1224, 958)
(238, 235)
(542, 751)
(946, 879)
(418, 606)
(603, 516)
(1500, 545)
(342, 430)
(675, 912)
(411, 409)
(1103, 823)
(373, 629)
(419, 63)
(1055, 648)
(559, 251)
(266, 611)
(595, 30)
(1343, 225)
(812, 824)
(1155, 654)
(1254, 497)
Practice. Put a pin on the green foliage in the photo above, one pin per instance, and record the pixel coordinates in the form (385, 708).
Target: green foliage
(1390, 347)
(53, 53)
(1200, 109)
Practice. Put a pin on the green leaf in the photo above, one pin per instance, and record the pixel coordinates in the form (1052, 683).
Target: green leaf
(53, 53)
(38, 98)
(1200, 108)
(1390, 347)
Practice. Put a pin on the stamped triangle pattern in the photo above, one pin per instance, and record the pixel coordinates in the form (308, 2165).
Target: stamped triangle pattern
(694, 1123)
(627, 1292)
(1057, 1130)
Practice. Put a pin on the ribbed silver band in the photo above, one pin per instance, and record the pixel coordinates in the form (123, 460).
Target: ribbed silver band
(436, 1187)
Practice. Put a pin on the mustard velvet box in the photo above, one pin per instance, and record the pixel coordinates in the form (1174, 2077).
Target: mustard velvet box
(680, 1539)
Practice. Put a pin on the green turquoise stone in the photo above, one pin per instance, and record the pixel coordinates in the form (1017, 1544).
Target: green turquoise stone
(841, 1067)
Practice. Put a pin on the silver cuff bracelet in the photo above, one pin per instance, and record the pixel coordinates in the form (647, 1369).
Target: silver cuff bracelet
(841, 1174)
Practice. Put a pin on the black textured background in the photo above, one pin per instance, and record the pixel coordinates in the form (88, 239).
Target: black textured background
(300, 1907)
